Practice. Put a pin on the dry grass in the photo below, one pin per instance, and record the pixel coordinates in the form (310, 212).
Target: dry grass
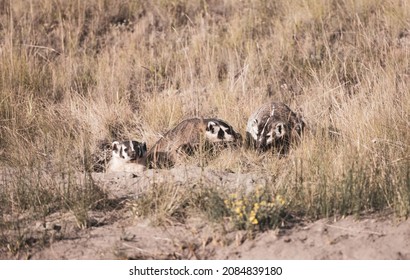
(76, 72)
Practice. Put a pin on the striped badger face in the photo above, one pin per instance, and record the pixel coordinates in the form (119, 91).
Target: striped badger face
(219, 131)
(210, 135)
(272, 133)
(128, 150)
(274, 125)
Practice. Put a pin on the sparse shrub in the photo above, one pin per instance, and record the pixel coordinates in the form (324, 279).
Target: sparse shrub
(162, 204)
(165, 203)
(210, 202)
(259, 210)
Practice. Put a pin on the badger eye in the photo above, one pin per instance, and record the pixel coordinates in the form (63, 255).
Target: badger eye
(125, 149)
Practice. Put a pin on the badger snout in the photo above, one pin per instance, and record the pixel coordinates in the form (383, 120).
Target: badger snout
(261, 144)
(237, 141)
(132, 155)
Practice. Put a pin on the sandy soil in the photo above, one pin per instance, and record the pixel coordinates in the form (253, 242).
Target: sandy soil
(118, 234)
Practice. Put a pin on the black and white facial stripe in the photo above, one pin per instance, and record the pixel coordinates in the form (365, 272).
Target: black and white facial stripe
(219, 131)
(273, 132)
(187, 137)
(273, 125)
(128, 150)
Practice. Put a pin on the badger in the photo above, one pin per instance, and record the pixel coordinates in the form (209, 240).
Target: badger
(127, 156)
(185, 138)
(274, 125)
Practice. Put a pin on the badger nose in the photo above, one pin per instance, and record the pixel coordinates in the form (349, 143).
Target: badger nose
(133, 154)
(260, 144)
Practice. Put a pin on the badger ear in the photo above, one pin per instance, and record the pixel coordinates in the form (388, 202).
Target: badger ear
(142, 149)
(211, 126)
(280, 129)
(255, 127)
(255, 123)
(115, 145)
(299, 127)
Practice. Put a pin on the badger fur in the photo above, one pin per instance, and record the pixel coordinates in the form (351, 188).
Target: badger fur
(127, 156)
(274, 125)
(185, 138)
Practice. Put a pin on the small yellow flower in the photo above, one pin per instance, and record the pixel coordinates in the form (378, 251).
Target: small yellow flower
(280, 199)
(256, 207)
(238, 210)
(252, 216)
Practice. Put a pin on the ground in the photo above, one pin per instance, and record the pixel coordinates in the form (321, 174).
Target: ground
(368, 238)
(120, 234)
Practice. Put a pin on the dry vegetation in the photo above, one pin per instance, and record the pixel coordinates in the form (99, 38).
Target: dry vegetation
(73, 73)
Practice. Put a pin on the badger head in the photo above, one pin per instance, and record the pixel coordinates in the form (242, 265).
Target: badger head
(128, 150)
(219, 131)
(272, 134)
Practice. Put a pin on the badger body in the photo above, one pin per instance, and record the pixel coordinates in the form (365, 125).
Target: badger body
(274, 125)
(185, 138)
(127, 156)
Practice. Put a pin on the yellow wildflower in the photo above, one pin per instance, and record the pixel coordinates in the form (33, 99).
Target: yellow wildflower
(252, 218)
(280, 199)
(256, 207)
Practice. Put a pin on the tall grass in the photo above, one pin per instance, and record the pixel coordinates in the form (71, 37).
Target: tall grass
(73, 73)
